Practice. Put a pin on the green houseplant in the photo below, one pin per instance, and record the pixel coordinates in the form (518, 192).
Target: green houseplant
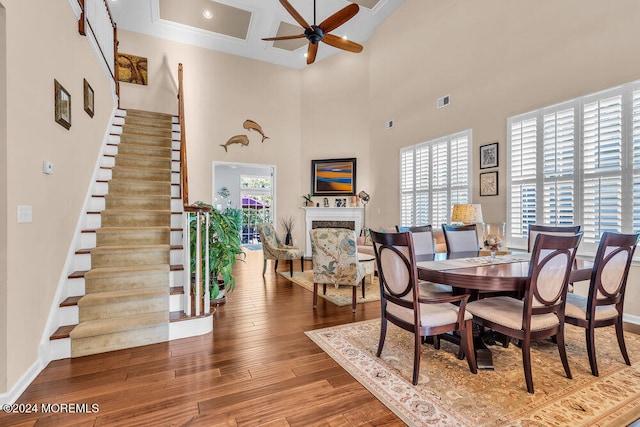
(224, 246)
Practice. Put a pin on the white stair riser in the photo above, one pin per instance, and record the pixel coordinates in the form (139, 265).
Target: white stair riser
(175, 144)
(93, 221)
(104, 174)
(175, 155)
(175, 191)
(60, 349)
(107, 161)
(87, 240)
(69, 315)
(76, 286)
(96, 204)
(114, 139)
(175, 178)
(176, 256)
(111, 149)
(100, 188)
(176, 220)
(118, 121)
(82, 262)
(175, 302)
(176, 205)
(176, 237)
(176, 278)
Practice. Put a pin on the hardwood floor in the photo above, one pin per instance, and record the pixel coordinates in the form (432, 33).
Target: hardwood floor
(256, 368)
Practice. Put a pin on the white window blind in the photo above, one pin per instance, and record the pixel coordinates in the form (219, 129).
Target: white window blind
(577, 163)
(433, 176)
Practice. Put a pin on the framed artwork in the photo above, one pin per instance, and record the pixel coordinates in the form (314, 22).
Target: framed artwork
(333, 177)
(489, 156)
(62, 105)
(489, 183)
(88, 98)
(132, 69)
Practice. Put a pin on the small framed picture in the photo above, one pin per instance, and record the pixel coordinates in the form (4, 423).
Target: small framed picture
(88, 98)
(489, 183)
(489, 156)
(62, 105)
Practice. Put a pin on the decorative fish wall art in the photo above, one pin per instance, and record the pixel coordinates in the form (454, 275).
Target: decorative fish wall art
(244, 139)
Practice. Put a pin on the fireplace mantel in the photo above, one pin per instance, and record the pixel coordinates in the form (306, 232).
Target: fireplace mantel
(331, 214)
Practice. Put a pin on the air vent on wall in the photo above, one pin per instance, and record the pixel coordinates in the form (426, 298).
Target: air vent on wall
(443, 102)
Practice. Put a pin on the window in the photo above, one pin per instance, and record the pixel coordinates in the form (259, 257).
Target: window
(576, 163)
(433, 176)
(257, 198)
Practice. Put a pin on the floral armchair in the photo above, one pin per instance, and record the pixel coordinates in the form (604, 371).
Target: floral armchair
(335, 261)
(273, 248)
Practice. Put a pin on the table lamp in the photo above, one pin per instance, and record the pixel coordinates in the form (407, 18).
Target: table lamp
(467, 213)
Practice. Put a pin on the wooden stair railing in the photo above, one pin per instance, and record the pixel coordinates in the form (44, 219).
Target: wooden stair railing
(200, 294)
(105, 32)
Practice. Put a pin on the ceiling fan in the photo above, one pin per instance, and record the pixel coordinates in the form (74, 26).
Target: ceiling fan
(320, 33)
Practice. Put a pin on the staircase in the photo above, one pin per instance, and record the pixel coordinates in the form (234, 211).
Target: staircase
(132, 245)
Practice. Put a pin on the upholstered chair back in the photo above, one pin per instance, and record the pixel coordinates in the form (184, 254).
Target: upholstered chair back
(461, 238)
(534, 230)
(335, 258)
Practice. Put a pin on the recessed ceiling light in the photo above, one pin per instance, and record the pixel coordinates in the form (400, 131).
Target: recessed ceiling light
(345, 37)
(305, 54)
(207, 14)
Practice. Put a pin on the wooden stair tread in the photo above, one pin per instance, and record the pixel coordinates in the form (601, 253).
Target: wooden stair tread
(62, 332)
(79, 274)
(70, 301)
(176, 290)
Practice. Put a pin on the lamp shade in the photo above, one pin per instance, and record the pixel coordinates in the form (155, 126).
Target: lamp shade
(467, 213)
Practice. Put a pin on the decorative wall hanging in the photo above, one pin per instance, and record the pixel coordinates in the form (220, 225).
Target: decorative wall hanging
(489, 156)
(244, 139)
(333, 177)
(489, 183)
(132, 69)
(88, 98)
(236, 139)
(251, 125)
(62, 105)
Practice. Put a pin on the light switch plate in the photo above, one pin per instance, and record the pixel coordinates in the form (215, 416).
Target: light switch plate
(25, 214)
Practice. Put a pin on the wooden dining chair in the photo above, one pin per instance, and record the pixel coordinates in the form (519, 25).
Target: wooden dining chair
(604, 304)
(461, 238)
(541, 313)
(403, 305)
(535, 229)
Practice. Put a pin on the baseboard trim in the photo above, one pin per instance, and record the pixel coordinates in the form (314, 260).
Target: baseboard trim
(21, 385)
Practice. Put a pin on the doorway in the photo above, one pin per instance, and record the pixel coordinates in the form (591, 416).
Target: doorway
(249, 187)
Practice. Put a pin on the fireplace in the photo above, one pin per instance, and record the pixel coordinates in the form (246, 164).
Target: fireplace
(345, 217)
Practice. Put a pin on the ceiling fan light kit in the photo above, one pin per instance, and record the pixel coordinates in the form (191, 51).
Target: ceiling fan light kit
(320, 33)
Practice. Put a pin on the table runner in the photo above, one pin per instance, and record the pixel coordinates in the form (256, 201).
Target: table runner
(451, 264)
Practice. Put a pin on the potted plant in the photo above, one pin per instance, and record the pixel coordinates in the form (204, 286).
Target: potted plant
(224, 247)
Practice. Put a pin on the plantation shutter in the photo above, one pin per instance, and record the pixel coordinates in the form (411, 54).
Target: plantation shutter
(558, 141)
(602, 166)
(523, 152)
(635, 136)
(433, 176)
(407, 185)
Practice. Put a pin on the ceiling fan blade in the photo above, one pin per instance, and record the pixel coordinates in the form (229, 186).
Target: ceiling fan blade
(311, 53)
(341, 43)
(299, 36)
(339, 18)
(294, 13)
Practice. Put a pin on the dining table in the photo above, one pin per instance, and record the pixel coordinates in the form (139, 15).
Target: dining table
(480, 274)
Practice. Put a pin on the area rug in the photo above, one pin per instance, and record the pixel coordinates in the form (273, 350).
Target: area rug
(447, 394)
(341, 296)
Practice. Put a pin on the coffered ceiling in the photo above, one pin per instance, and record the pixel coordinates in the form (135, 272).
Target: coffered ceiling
(238, 26)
